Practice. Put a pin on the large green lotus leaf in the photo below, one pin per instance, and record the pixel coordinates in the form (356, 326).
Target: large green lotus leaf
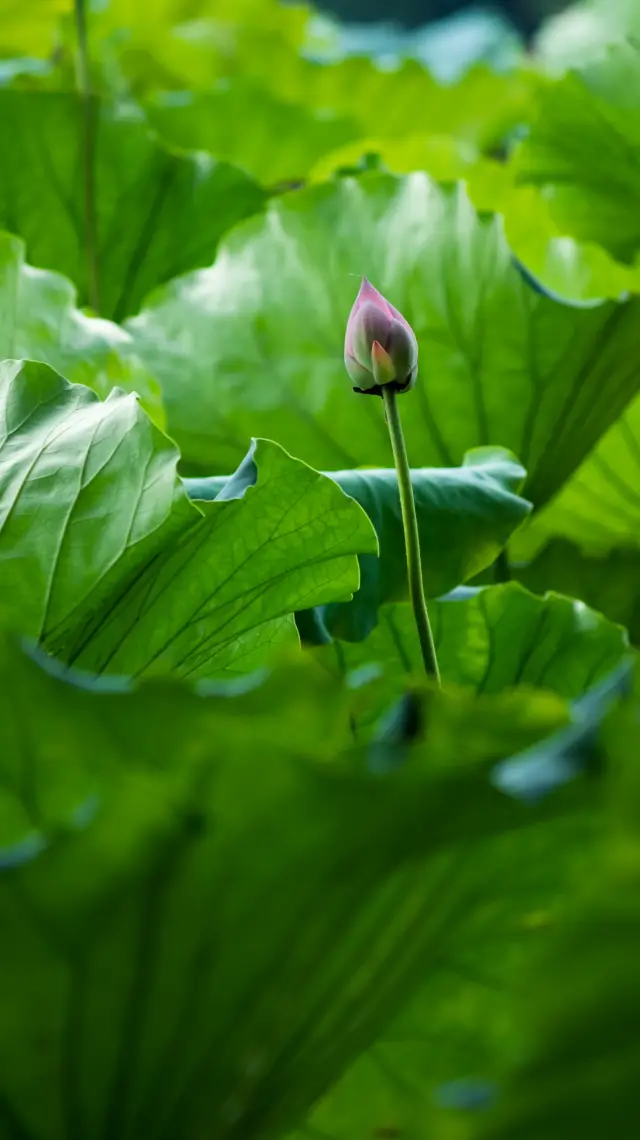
(109, 565)
(255, 343)
(609, 583)
(30, 29)
(599, 508)
(493, 638)
(575, 1074)
(591, 113)
(244, 123)
(157, 213)
(465, 516)
(158, 850)
(39, 321)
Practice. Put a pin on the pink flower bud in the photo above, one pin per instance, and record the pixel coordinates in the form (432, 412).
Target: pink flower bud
(380, 347)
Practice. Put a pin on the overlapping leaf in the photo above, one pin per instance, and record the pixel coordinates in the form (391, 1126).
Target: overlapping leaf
(465, 516)
(109, 565)
(493, 638)
(157, 213)
(609, 583)
(39, 321)
(390, 103)
(143, 937)
(571, 220)
(254, 344)
(279, 141)
(326, 117)
(167, 45)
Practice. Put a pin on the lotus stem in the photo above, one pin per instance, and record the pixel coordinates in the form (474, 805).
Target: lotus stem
(411, 535)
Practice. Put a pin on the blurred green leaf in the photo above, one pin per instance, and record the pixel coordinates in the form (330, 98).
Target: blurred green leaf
(110, 567)
(460, 1022)
(593, 111)
(391, 103)
(448, 1047)
(255, 344)
(172, 44)
(244, 123)
(149, 883)
(158, 213)
(30, 29)
(444, 157)
(444, 1052)
(465, 516)
(39, 321)
(576, 1074)
(579, 271)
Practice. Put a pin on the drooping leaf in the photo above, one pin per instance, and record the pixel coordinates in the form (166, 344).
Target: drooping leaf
(157, 213)
(39, 321)
(109, 565)
(465, 516)
(593, 111)
(493, 638)
(255, 344)
(143, 937)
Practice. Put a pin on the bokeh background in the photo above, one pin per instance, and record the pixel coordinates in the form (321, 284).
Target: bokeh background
(525, 14)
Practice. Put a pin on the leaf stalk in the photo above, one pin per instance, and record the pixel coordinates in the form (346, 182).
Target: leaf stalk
(88, 155)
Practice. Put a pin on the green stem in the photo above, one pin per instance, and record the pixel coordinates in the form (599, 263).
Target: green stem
(88, 149)
(411, 536)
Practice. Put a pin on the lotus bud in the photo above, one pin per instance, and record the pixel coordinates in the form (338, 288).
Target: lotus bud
(380, 347)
